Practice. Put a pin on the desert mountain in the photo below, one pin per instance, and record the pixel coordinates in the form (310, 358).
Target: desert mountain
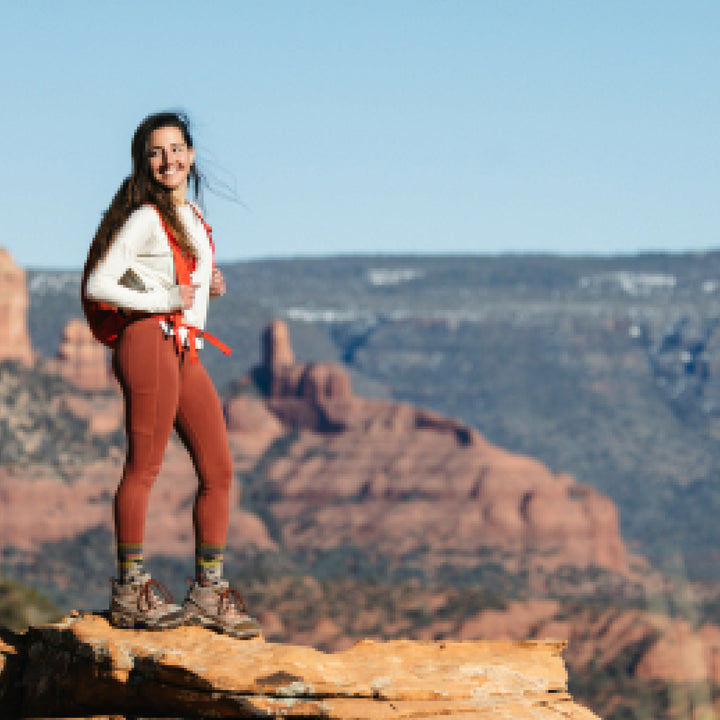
(605, 368)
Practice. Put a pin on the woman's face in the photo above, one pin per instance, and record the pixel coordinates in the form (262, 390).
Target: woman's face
(170, 160)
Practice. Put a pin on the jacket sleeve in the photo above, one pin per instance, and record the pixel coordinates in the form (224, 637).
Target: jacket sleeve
(105, 282)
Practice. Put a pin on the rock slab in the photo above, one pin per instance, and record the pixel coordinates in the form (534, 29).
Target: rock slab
(81, 666)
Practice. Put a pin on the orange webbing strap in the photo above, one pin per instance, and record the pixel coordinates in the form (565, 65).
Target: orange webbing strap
(208, 230)
(219, 344)
(184, 265)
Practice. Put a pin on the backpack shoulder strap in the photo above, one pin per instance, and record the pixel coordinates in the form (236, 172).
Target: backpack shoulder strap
(208, 229)
(184, 263)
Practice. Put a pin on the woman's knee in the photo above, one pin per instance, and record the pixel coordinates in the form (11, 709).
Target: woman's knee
(217, 474)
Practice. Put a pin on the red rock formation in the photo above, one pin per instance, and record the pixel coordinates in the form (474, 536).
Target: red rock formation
(276, 349)
(404, 488)
(395, 478)
(14, 337)
(81, 359)
(251, 426)
(316, 396)
(250, 415)
(82, 666)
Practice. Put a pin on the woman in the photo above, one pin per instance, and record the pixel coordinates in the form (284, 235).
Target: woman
(163, 295)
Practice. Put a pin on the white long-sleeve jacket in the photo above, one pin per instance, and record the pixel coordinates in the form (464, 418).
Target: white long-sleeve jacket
(138, 271)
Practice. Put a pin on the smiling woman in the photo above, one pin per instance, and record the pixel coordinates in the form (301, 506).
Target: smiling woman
(157, 137)
(151, 267)
(170, 160)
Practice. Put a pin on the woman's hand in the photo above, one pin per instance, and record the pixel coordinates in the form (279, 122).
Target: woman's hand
(217, 283)
(187, 295)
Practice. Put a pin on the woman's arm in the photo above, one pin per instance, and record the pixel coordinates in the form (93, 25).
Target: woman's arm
(105, 282)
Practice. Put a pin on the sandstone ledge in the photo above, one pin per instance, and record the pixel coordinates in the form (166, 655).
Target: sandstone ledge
(81, 667)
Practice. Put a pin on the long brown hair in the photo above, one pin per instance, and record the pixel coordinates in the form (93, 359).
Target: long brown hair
(140, 188)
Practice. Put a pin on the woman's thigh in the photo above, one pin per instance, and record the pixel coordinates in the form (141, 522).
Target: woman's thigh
(146, 366)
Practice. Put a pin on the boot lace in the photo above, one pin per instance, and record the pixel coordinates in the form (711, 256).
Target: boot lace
(231, 603)
(153, 594)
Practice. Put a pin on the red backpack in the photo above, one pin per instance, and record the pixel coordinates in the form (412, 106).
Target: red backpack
(106, 321)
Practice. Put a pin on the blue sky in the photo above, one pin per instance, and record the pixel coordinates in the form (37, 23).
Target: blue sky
(393, 126)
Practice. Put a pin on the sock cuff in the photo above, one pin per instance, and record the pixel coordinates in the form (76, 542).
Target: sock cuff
(130, 560)
(130, 548)
(209, 548)
(209, 563)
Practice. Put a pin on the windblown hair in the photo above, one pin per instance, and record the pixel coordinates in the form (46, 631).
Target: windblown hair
(140, 188)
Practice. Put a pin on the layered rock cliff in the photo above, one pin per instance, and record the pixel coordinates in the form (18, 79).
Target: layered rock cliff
(81, 666)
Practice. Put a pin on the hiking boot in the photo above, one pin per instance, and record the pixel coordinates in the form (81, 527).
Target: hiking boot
(145, 603)
(220, 608)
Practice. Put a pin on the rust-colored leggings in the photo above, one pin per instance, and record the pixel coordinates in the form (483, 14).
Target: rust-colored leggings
(163, 390)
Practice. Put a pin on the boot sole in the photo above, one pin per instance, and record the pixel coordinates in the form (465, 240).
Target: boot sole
(127, 622)
(194, 618)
